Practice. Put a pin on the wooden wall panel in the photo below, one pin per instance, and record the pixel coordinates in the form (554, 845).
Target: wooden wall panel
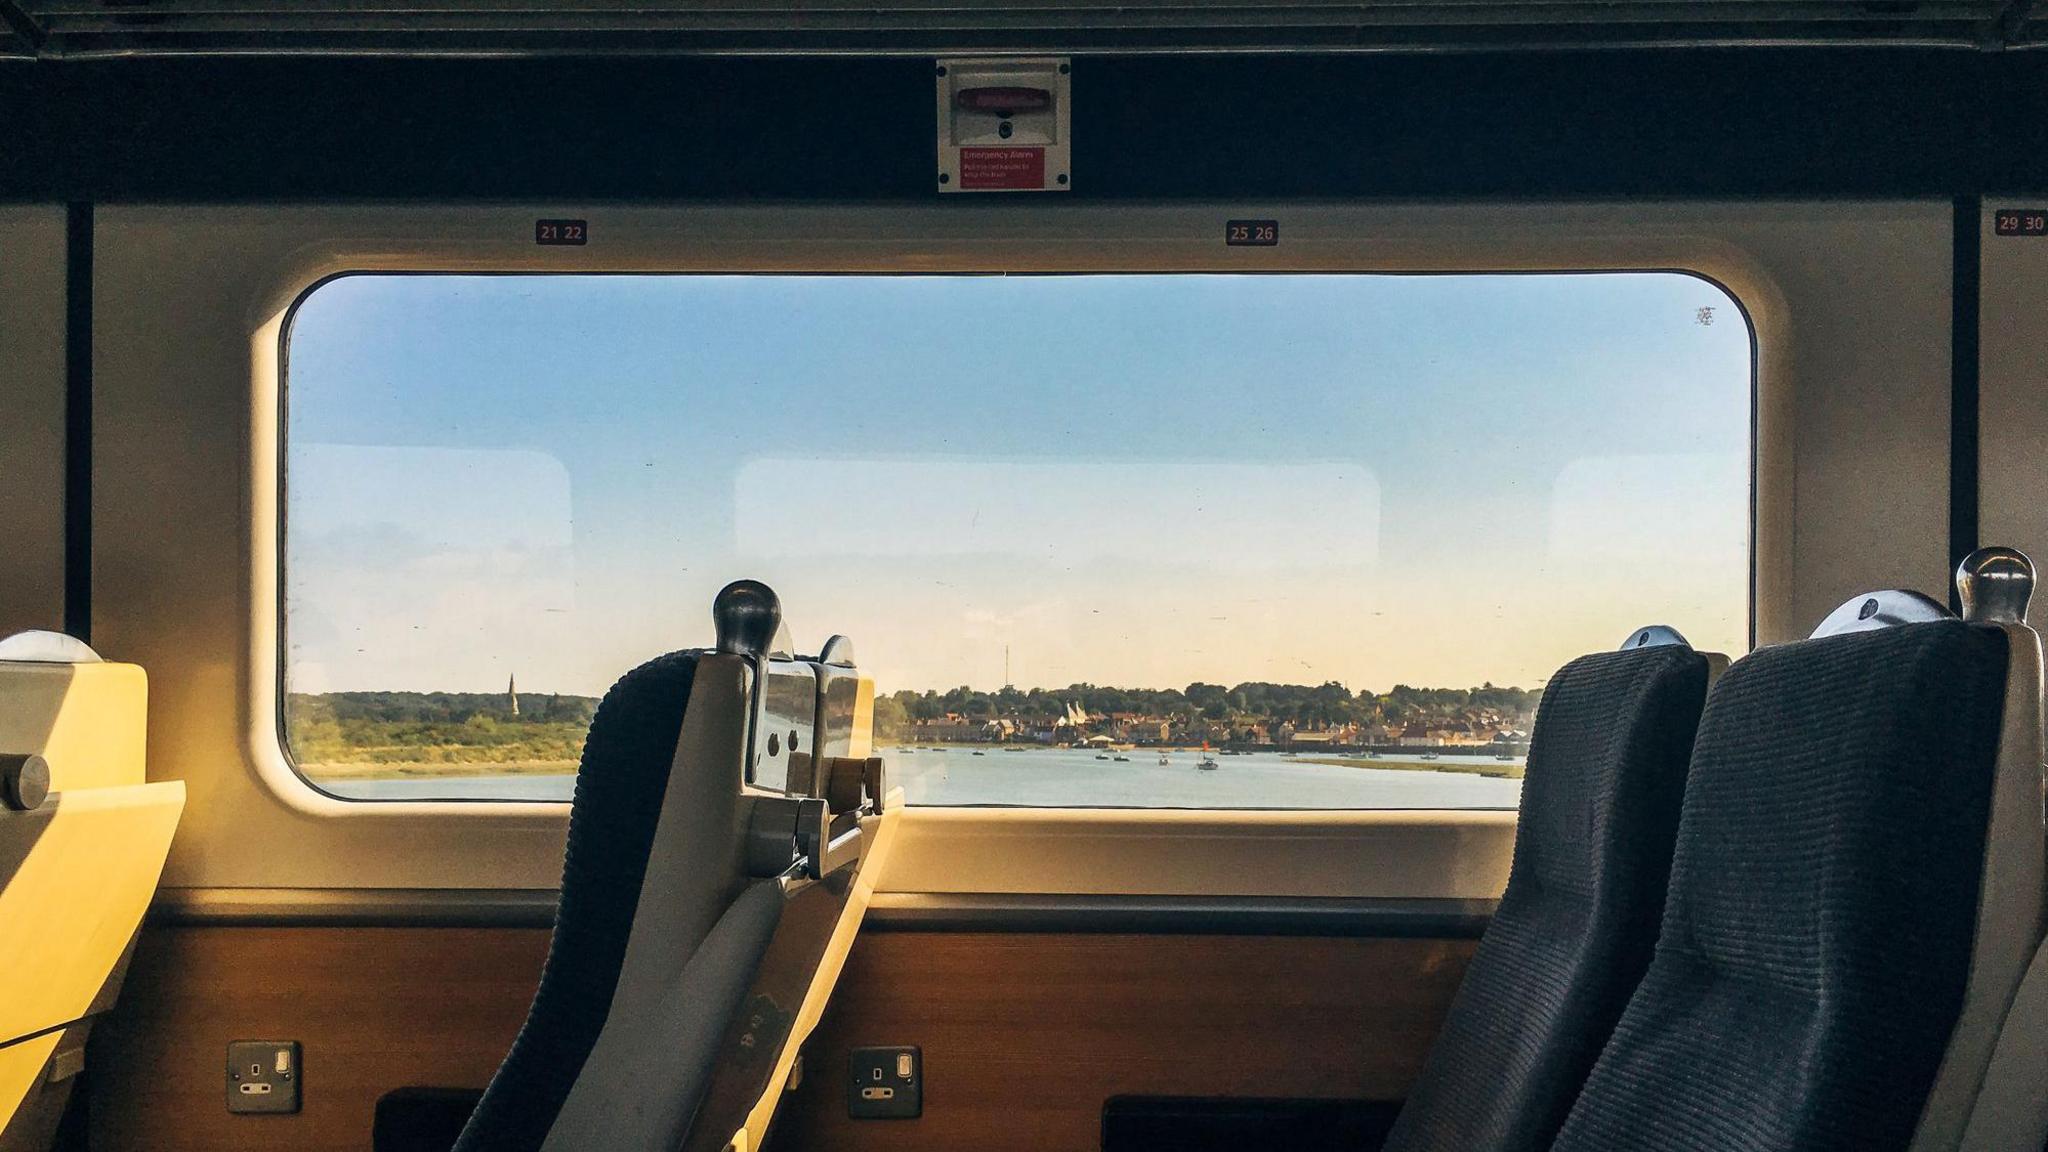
(1025, 1036)
(376, 1008)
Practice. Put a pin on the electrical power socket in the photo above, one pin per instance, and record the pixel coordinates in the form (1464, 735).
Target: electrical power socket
(264, 1077)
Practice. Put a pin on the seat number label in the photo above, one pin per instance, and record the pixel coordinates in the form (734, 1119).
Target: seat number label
(1251, 233)
(575, 232)
(2020, 222)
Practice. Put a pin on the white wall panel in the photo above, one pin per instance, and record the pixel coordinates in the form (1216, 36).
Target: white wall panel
(1850, 304)
(32, 311)
(2013, 389)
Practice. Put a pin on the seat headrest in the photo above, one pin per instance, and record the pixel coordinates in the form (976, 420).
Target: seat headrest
(1840, 790)
(1604, 717)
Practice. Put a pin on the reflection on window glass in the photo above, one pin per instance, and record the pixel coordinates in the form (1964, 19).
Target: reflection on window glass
(1156, 540)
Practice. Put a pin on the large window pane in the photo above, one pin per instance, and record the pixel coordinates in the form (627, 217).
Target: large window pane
(1337, 528)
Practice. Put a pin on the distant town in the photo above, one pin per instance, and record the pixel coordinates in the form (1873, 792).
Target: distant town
(430, 733)
(1254, 715)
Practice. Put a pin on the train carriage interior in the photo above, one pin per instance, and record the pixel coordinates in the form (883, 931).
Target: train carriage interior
(721, 575)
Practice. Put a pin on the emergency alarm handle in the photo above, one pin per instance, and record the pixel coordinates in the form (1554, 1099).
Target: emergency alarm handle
(1003, 100)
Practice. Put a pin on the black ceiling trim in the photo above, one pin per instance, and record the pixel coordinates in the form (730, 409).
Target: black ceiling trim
(81, 29)
(1693, 123)
(392, 44)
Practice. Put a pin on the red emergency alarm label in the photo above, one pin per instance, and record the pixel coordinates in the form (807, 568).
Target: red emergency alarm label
(997, 169)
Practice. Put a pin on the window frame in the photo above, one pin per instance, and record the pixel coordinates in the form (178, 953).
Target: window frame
(281, 433)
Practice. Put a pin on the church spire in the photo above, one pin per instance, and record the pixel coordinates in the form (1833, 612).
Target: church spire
(512, 693)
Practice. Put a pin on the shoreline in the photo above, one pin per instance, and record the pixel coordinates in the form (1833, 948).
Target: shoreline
(429, 770)
(1499, 769)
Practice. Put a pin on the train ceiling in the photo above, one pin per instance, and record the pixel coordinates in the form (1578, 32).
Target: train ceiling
(102, 28)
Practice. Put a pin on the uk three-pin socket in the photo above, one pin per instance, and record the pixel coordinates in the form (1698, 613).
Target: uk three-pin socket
(885, 1084)
(263, 1077)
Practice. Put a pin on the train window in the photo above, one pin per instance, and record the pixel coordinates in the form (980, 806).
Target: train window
(1175, 540)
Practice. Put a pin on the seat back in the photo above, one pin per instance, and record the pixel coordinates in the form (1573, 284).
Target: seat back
(681, 865)
(1993, 586)
(1820, 946)
(630, 759)
(1574, 929)
(83, 838)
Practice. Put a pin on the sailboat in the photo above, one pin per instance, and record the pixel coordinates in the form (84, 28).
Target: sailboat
(1208, 761)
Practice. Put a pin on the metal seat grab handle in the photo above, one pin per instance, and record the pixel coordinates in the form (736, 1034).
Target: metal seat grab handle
(1993, 585)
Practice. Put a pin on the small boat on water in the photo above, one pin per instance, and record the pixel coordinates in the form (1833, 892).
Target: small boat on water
(1430, 756)
(981, 753)
(1121, 759)
(1503, 756)
(1165, 760)
(1207, 763)
(1100, 756)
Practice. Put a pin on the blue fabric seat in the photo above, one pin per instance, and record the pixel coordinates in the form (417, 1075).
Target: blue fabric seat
(1576, 925)
(1818, 940)
(656, 939)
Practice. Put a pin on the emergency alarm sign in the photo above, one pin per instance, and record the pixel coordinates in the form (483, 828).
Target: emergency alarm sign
(1003, 124)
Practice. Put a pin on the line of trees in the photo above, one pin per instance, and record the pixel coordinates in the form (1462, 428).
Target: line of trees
(440, 707)
(343, 726)
(1325, 705)
(436, 727)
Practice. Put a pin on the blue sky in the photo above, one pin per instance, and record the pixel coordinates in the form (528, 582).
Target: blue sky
(1143, 480)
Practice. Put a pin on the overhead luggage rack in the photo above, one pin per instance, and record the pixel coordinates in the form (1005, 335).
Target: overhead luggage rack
(77, 28)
